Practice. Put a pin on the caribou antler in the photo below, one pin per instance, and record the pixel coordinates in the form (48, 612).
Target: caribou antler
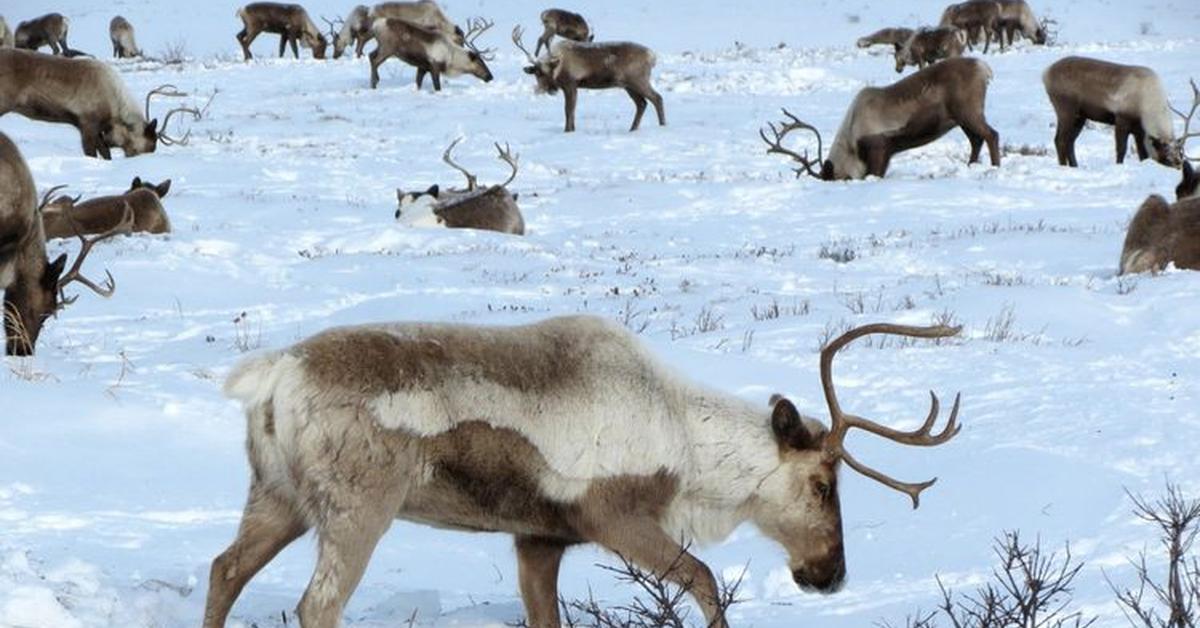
(471, 180)
(1181, 142)
(517, 32)
(85, 248)
(171, 91)
(46, 196)
(477, 26)
(333, 26)
(776, 146)
(507, 156)
(842, 423)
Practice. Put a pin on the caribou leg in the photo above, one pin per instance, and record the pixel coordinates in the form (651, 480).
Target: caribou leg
(639, 101)
(376, 61)
(657, 101)
(245, 38)
(420, 77)
(292, 38)
(282, 43)
(437, 80)
(1139, 139)
(538, 560)
(345, 541)
(570, 96)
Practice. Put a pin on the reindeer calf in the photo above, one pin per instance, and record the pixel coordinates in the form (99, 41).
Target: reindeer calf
(489, 208)
(930, 45)
(47, 30)
(120, 31)
(430, 51)
(894, 37)
(66, 217)
(289, 21)
(978, 18)
(565, 24)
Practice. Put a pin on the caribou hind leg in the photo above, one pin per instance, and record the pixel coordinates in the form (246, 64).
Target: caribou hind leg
(639, 101)
(345, 540)
(570, 99)
(538, 561)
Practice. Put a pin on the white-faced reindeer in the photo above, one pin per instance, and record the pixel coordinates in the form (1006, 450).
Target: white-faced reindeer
(424, 13)
(562, 432)
(429, 51)
(571, 66)
(47, 30)
(565, 24)
(355, 29)
(930, 45)
(1129, 97)
(488, 208)
(883, 121)
(1017, 17)
(289, 21)
(32, 284)
(7, 39)
(67, 217)
(120, 31)
(894, 37)
(86, 94)
(978, 18)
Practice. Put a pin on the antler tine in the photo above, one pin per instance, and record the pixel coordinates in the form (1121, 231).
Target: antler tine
(167, 139)
(781, 131)
(167, 90)
(517, 32)
(46, 196)
(506, 155)
(74, 275)
(841, 423)
(471, 180)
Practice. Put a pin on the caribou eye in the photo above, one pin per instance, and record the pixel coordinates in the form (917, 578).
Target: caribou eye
(824, 490)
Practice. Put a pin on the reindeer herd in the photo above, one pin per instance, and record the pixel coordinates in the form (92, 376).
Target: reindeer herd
(524, 429)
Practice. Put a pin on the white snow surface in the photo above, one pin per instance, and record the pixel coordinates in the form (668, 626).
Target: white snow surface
(122, 470)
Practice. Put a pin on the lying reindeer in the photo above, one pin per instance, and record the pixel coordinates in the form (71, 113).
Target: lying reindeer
(894, 37)
(430, 51)
(977, 18)
(1129, 97)
(47, 30)
(571, 66)
(86, 94)
(356, 29)
(912, 112)
(424, 13)
(565, 24)
(930, 45)
(32, 284)
(7, 40)
(289, 21)
(120, 31)
(563, 432)
(492, 208)
(1017, 17)
(66, 217)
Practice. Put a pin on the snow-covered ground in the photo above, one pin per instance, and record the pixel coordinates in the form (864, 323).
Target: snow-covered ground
(122, 472)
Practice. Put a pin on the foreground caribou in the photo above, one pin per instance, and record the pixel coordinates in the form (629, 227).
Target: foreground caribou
(565, 24)
(120, 31)
(1129, 97)
(490, 208)
(66, 217)
(355, 29)
(1163, 233)
(86, 94)
(562, 432)
(883, 121)
(289, 21)
(978, 18)
(429, 51)
(47, 30)
(571, 66)
(930, 45)
(894, 37)
(33, 285)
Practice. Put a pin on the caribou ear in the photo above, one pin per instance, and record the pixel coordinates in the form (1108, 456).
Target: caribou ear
(788, 426)
(153, 126)
(515, 196)
(135, 184)
(53, 272)
(162, 188)
(433, 190)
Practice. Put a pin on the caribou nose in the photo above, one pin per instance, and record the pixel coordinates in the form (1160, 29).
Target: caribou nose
(826, 583)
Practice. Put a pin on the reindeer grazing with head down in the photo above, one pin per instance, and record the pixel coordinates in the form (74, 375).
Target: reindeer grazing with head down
(1017, 17)
(883, 121)
(429, 51)
(565, 24)
(894, 37)
(86, 94)
(66, 217)
(571, 66)
(490, 208)
(1129, 97)
(289, 21)
(355, 29)
(563, 432)
(930, 45)
(47, 30)
(32, 284)
(120, 31)
(978, 18)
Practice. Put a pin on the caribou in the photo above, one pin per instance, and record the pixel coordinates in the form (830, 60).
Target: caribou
(47, 30)
(487, 208)
(88, 95)
(355, 29)
(561, 432)
(894, 37)
(883, 121)
(430, 51)
(66, 216)
(930, 45)
(424, 13)
(289, 21)
(120, 31)
(978, 18)
(565, 24)
(33, 285)
(1160, 234)
(1129, 97)
(571, 66)
(1017, 17)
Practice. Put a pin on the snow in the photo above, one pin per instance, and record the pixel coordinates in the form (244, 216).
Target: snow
(122, 471)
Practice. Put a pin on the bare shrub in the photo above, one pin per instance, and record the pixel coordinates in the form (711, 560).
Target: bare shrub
(174, 53)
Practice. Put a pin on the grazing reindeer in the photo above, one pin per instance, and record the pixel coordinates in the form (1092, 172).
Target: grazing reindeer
(1017, 17)
(47, 30)
(356, 29)
(491, 208)
(565, 24)
(430, 51)
(7, 40)
(86, 94)
(571, 66)
(1129, 97)
(912, 112)
(66, 216)
(978, 18)
(930, 45)
(422, 13)
(562, 432)
(32, 284)
(289, 21)
(894, 37)
(120, 31)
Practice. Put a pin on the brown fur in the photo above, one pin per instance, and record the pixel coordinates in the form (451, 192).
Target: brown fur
(424, 13)
(65, 218)
(289, 21)
(1161, 234)
(490, 209)
(894, 37)
(930, 45)
(1131, 98)
(1017, 17)
(84, 93)
(47, 30)
(428, 50)
(355, 30)
(120, 31)
(978, 18)
(565, 24)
